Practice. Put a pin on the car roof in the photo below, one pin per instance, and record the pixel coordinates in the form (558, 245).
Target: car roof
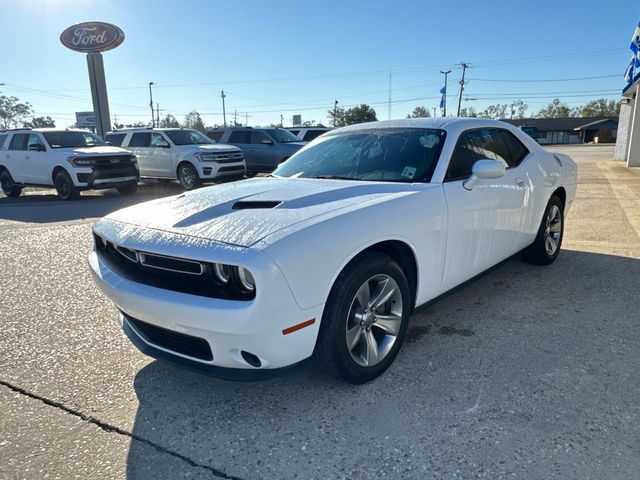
(49, 129)
(147, 129)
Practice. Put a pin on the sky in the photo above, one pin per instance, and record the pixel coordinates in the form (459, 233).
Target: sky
(298, 57)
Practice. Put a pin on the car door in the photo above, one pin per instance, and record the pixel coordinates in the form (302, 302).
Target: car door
(484, 223)
(37, 160)
(139, 145)
(241, 139)
(160, 156)
(15, 158)
(264, 152)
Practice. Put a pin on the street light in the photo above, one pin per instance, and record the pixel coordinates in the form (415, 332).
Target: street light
(153, 119)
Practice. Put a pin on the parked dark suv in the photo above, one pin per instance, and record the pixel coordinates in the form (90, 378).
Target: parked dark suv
(264, 148)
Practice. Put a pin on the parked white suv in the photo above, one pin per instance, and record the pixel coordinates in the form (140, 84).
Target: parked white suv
(70, 160)
(180, 153)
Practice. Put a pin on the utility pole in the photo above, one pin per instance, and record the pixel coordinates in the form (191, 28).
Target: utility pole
(335, 113)
(464, 69)
(444, 110)
(153, 118)
(157, 114)
(434, 111)
(224, 112)
(281, 120)
(246, 119)
(389, 113)
(235, 118)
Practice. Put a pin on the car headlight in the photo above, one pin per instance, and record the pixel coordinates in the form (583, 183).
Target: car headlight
(236, 277)
(245, 279)
(81, 162)
(204, 156)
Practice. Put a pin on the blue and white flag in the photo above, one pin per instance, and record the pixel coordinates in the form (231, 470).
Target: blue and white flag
(443, 91)
(635, 48)
(628, 74)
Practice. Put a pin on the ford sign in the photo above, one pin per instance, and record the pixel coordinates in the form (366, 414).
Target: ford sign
(92, 37)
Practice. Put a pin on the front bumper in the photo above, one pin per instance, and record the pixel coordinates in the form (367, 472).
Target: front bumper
(106, 177)
(212, 170)
(228, 326)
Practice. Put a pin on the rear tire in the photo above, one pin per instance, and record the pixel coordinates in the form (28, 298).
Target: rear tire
(64, 186)
(364, 320)
(128, 189)
(546, 247)
(9, 188)
(188, 176)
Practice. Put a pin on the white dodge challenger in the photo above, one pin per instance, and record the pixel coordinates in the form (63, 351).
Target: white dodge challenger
(329, 255)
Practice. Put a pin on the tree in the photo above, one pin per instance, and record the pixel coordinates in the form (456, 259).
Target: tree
(556, 109)
(419, 112)
(194, 120)
(498, 110)
(12, 111)
(337, 117)
(169, 122)
(40, 122)
(518, 109)
(468, 112)
(600, 108)
(137, 125)
(360, 114)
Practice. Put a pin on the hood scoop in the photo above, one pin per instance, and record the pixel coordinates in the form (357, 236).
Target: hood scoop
(255, 204)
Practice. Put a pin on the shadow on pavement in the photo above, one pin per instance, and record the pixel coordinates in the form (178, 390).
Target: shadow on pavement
(43, 206)
(499, 377)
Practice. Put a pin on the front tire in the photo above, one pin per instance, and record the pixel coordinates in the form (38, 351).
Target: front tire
(364, 320)
(188, 176)
(9, 188)
(128, 189)
(546, 247)
(64, 186)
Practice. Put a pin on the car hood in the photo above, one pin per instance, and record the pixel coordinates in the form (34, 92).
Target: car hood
(216, 147)
(102, 150)
(243, 213)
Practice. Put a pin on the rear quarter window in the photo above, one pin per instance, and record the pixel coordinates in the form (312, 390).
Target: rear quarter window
(115, 138)
(3, 138)
(215, 136)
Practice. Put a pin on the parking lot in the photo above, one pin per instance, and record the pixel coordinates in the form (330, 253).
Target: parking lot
(529, 372)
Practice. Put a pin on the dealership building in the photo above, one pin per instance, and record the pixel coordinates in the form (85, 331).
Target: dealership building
(628, 141)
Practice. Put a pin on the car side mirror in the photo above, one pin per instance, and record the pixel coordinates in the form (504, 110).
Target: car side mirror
(484, 170)
(267, 142)
(163, 144)
(36, 147)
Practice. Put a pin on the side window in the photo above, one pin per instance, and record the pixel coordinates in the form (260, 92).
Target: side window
(312, 135)
(115, 138)
(215, 136)
(295, 132)
(239, 137)
(3, 138)
(34, 140)
(259, 137)
(516, 150)
(140, 139)
(474, 145)
(157, 138)
(19, 141)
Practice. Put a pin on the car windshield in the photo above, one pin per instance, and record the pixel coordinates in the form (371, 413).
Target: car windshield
(67, 139)
(281, 135)
(187, 137)
(386, 155)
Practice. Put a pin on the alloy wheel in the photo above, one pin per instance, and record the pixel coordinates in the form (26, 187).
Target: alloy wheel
(553, 230)
(374, 320)
(187, 178)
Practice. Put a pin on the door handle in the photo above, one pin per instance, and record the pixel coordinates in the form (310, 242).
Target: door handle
(520, 182)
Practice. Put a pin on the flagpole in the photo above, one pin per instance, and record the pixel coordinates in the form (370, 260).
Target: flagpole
(444, 93)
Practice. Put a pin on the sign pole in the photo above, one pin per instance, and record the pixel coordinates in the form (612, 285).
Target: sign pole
(99, 92)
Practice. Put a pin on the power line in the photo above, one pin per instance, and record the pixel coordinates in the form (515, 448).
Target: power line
(545, 80)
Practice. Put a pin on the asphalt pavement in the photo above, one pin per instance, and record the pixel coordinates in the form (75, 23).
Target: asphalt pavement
(529, 372)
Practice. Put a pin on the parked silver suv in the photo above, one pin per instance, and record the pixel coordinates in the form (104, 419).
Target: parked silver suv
(180, 153)
(264, 148)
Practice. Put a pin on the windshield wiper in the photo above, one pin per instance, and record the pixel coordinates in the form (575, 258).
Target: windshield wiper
(333, 177)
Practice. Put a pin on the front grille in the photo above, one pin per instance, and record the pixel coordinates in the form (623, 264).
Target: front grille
(187, 345)
(110, 160)
(238, 168)
(169, 273)
(228, 157)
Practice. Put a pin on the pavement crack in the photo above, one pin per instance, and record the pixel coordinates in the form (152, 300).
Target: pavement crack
(113, 429)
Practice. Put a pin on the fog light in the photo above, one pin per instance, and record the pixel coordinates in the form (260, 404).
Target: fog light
(246, 279)
(222, 272)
